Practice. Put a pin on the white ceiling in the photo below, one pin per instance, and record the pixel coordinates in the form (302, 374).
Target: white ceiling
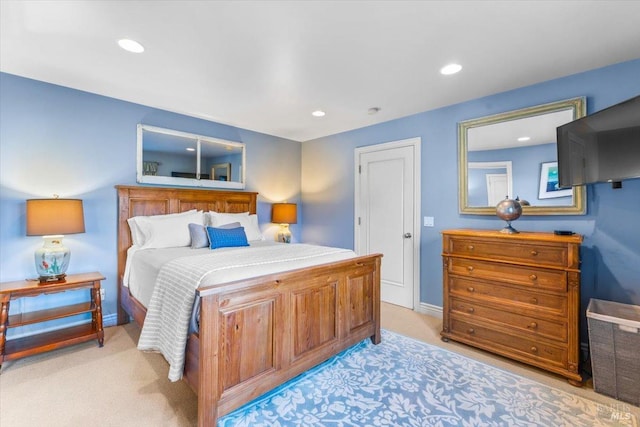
(540, 129)
(266, 65)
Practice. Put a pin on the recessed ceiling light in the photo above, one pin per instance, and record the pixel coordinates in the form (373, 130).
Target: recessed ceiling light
(373, 110)
(524, 138)
(450, 69)
(318, 113)
(131, 45)
(191, 149)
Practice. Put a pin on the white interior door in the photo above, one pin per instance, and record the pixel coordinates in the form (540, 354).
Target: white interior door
(497, 188)
(387, 216)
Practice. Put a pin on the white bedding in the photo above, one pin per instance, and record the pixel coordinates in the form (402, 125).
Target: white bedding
(183, 270)
(143, 265)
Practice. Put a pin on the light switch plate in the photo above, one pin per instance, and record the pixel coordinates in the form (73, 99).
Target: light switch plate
(428, 221)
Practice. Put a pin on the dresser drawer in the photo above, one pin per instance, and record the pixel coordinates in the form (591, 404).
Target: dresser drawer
(524, 299)
(528, 252)
(528, 276)
(527, 324)
(510, 344)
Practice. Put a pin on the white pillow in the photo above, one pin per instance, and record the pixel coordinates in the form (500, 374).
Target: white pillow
(168, 232)
(215, 219)
(137, 236)
(249, 222)
(252, 230)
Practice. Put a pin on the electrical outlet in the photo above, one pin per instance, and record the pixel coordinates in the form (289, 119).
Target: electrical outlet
(103, 293)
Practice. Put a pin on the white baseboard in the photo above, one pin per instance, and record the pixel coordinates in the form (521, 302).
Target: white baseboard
(430, 310)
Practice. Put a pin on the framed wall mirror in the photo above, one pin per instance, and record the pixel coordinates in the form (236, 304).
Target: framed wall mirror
(171, 157)
(514, 155)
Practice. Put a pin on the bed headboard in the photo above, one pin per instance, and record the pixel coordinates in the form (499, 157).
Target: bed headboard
(140, 200)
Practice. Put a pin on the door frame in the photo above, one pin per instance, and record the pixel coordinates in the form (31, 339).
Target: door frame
(416, 143)
(506, 165)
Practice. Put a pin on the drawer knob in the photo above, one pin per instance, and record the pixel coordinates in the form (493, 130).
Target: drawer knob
(470, 289)
(533, 277)
(534, 300)
(470, 247)
(534, 253)
(533, 325)
(534, 349)
(471, 310)
(471, 331)
(470, 268)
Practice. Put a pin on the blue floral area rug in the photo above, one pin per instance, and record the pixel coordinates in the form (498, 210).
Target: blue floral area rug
(404, 382)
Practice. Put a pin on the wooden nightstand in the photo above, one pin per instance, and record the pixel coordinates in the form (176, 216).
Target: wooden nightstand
(34, 344)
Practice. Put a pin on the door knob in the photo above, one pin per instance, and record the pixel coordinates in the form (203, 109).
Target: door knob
(407, 235)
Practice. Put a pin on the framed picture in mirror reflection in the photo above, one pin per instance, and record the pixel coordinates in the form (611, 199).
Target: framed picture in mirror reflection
(549, 186)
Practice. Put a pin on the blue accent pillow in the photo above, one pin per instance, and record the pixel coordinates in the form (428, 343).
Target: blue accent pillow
(199, 237)
(226, 238)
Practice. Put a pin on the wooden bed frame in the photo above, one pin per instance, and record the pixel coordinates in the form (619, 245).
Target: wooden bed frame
(258, 333)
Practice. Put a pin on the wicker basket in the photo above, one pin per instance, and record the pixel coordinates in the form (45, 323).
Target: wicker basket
(614, 342)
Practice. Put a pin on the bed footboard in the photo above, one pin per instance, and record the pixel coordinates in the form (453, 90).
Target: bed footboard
(257, 334)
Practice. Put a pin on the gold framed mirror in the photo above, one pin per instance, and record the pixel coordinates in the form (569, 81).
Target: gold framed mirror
(514, 154)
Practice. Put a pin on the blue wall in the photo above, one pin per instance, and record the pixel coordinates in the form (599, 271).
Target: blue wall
(77, 144)
(611, 228)
(526, 163)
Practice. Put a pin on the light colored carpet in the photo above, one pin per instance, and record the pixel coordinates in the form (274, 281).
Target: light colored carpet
(85, 385)
(117, 385)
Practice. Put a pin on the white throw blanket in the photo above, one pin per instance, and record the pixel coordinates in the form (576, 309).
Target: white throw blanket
(166, 324)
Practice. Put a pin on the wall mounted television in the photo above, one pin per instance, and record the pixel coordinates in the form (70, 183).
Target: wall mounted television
(601, 147)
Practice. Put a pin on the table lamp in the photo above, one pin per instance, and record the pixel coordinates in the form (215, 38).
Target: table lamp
(51, 218)
(284, 214)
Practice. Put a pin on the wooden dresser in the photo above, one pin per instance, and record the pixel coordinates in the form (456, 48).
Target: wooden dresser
(517, 295)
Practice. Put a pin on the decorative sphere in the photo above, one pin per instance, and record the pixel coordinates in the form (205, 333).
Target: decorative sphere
(509, 209)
